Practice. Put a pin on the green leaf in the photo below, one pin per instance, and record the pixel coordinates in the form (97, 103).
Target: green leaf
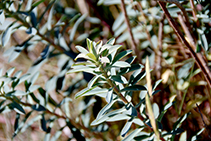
(111, 41)
(121, 55)
(131, 60)
(38, 107)
(17, 117)
(119, 78)
(121, 64)
(17, 107)
(43, 123)
(134, 88)
(129, 69)
(133, 80)
(91, 56)
(36, 4)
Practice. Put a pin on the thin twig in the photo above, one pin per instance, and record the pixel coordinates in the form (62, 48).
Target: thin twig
(176, 2)
(134, 46)
(187, 32)
(146, 30)
(194, 13)
(198, 57)
(160, 43)
(205, 125)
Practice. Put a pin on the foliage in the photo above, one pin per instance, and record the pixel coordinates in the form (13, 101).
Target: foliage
(120, 102)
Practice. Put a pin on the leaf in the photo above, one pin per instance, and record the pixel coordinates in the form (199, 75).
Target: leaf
(38, 107)
(121, 55)
(156, 84)
(91, 56)
(204, 42)
(126, 128)
(132, 134)
(37, 3)
(108, 116)
(30, 122)
(28, 6)
(111, 41)
(17, 107)
(92, 91)
(81, 49)
(50, 15)
(105, 109)
(17, 117)
(133, 80)
(121, 64)
(2, 17)
(44, 54)
(33, 19)
(156, 110)
(134, 88)
(109, 96)
(73, 31)
(119, 78)
(183, 136)
(6, 35)
(131, 110)
(43, 123)
(81, 68)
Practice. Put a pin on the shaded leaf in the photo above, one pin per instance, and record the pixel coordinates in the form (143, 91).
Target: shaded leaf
(134, 88)
(121, 55)
(38, 107)
(43, 123)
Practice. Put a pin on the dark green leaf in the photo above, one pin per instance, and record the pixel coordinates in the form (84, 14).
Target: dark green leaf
(17, 106)
(119, 78)
(121, 55)
(16, 121)
(38, 107)
(43, 123)
(133, 80)
(134, 88)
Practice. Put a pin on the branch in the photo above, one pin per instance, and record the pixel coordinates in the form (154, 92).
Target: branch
(198, 57)
(134, 46)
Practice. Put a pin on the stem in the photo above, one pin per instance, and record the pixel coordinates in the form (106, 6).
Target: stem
(198, 57)
(134, 46)
(117, 91)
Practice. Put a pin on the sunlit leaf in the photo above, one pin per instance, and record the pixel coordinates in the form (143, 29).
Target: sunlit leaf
(126, 128)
